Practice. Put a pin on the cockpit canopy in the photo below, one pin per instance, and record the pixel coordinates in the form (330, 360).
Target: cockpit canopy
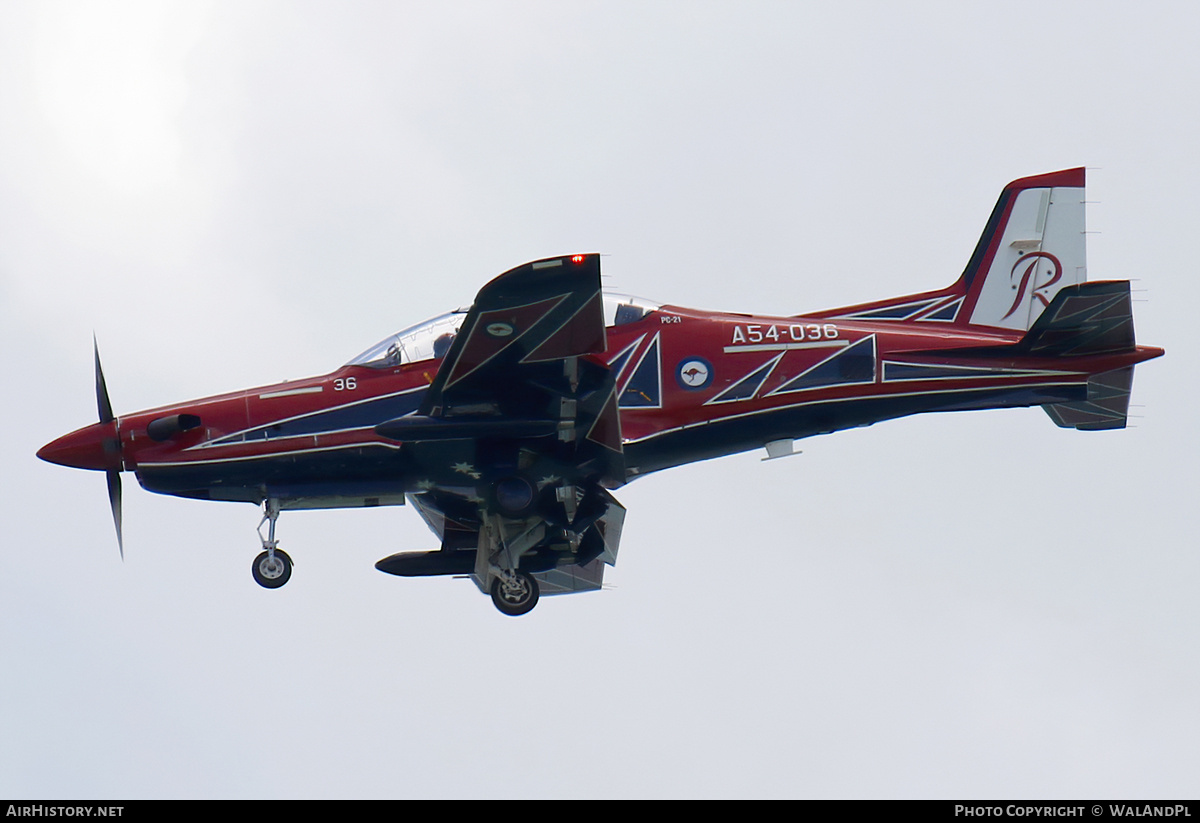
(425, 341)
(431, 340)
(620, 309)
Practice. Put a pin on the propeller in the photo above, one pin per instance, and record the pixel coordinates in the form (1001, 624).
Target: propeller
(104, 407)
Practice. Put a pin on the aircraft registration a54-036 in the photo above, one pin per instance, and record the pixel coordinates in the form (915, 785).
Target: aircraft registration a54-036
(507, 426)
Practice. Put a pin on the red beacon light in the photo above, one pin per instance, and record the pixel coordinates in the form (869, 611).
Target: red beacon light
(577, 258)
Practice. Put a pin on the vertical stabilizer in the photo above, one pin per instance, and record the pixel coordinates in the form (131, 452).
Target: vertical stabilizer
(1033, 247)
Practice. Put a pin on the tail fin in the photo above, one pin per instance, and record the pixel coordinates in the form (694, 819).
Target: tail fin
(1032, 247)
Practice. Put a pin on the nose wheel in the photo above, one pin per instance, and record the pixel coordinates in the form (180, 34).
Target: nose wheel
(273, 567)
(515, 593)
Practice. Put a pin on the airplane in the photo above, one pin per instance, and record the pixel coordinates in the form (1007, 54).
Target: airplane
(509, 425)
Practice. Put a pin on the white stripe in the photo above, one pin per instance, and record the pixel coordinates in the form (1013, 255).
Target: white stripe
(290, 392)
(832, 344)
(980, 371)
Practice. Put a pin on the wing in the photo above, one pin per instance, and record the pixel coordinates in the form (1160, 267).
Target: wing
(516, 371)
(548, 311)
(519, 436)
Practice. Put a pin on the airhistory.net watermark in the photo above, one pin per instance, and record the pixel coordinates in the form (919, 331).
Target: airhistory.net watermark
(42, 810)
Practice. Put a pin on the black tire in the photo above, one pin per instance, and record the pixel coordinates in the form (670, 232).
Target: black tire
(515, 600)
(272, 576)
(515, 496)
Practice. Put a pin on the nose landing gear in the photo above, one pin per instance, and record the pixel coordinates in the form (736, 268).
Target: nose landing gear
(273, 567)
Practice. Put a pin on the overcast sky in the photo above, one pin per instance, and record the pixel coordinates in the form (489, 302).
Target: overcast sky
(228, 194)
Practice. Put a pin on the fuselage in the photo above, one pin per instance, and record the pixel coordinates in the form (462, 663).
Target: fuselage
(691, 385)
(507, 424)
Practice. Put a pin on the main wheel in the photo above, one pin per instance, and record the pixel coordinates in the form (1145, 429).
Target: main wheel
(515, 596)
(272, 573)
(515, 496)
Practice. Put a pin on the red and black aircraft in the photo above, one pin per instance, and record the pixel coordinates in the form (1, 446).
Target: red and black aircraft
(507, 425)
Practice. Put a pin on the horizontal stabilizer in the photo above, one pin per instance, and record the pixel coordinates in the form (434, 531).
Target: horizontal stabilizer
(1107, 406)
(1090, 318)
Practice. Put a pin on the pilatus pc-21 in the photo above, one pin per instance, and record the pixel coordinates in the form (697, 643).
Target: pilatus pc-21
(507, 426)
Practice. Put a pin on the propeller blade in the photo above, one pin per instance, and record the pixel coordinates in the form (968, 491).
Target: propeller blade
(102, 401)
(114, 500)
(104, 406)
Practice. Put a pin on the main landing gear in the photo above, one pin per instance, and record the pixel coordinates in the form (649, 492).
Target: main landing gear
(515, 593)
(273, 567)
(502, 543)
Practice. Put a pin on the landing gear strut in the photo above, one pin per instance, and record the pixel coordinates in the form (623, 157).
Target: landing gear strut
(273, 567)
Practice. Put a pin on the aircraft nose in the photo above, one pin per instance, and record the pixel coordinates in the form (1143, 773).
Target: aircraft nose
(93, 447)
